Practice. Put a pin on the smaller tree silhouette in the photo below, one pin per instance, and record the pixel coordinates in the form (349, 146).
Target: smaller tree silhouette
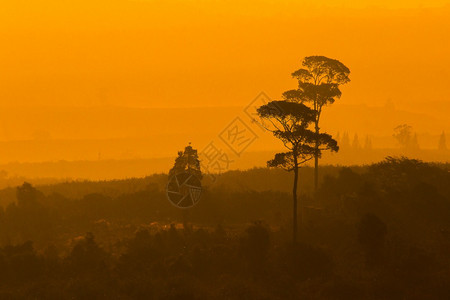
(187, 161)
(289, 122)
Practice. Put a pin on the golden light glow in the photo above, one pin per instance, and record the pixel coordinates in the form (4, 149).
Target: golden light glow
(61, 61)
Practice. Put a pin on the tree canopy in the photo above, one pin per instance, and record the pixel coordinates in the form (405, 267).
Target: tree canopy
(187, 161)
(318, 85)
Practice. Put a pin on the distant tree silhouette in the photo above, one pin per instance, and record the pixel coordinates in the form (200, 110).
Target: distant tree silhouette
(187, 161)
(289, 122)
(318, 84)
(29, 216)
(27, 195)
(345, 142)
(355, 143)
(368, 143)
(399, 173)
(403, 134)
(415, 143)
(442, 146)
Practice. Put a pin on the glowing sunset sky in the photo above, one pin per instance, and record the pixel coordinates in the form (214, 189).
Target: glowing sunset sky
(58, 54)
(197, 53)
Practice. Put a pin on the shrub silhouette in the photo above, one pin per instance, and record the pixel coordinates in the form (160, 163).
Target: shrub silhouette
(304, 261)
(255, 245)
(371, 236)
(86, 255)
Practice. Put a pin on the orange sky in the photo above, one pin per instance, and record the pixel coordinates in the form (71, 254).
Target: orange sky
(196, 53)
(173, 53)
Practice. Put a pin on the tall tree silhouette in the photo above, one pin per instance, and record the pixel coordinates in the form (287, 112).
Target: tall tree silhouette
(187, 161)
(289, 122)
(318, 84)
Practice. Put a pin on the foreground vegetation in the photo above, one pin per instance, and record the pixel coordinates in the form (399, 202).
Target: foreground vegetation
(375, 232)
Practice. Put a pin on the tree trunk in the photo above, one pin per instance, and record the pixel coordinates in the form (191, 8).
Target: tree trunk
(316, 173)
(316, 160)
(294, 194)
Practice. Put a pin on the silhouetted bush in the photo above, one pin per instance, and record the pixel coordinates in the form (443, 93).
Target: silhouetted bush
(303, 262)
(371, 235)
(254, 246)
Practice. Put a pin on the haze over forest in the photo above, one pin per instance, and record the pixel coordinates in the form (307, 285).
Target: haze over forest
(127, 80)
